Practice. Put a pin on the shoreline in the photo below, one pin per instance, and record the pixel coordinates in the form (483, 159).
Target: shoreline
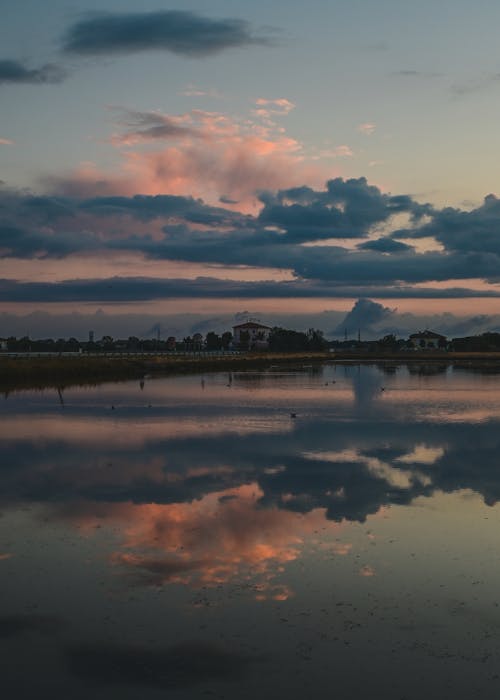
(27, 372)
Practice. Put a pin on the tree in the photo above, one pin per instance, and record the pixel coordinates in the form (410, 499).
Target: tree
(226, 340)
(316, 342)
(133, 342)
(212, 341)
(283, 340)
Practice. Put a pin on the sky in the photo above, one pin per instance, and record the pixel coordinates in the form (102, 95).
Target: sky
(184, 166)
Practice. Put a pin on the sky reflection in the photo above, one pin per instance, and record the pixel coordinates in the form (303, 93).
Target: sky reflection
(349, 453)
(371, 513)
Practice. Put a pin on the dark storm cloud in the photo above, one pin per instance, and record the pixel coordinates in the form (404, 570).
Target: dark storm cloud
(186, 229)
(41, 210)
(179, 666)
(386, 245)
(50, 226)
(328, 263)
(135, 289)
(475, 231)
(124, 289)
(149, 207)
(179, 32)
(364, 314)
(346, 209)
(21, 243)
(16, 72)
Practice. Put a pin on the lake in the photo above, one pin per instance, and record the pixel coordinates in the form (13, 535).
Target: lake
(313, 531)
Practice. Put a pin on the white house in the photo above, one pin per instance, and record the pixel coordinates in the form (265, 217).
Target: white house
(251, 334)
(427, 340)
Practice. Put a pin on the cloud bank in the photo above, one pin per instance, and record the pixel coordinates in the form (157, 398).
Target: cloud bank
(365, 315)
(175, 31)
(299, 229)
(16, 72)
(178, 32)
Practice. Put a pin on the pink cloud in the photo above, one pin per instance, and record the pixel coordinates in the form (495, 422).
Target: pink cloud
(6, 142)
(281, 105)
(367, 128)
(204, 154)
(221, 537)
(273, 108)
(87, 180)
(342, 151)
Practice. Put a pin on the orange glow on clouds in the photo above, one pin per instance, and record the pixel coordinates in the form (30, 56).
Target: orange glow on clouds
(224, 536)
(208, 155)
(220, 538)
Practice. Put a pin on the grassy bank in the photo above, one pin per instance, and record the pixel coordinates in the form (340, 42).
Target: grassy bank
(40, 372)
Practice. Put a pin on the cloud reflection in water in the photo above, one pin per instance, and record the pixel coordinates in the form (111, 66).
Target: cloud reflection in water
(238, 497)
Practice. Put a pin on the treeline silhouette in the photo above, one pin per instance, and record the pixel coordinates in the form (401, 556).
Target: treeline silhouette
(279, 340)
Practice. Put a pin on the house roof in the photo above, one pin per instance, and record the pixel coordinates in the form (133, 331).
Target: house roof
(429, 335)
(251, 324)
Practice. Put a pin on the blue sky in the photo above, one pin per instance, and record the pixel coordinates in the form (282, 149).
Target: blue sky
(245, 112)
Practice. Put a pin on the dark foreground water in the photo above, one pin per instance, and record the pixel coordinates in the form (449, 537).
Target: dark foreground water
(326, 532)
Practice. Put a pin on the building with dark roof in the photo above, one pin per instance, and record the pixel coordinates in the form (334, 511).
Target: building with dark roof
(251, 335)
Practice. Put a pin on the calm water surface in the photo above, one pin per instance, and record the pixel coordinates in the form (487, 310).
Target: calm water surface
(328, 531)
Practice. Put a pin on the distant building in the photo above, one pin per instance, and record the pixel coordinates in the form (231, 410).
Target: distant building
(91, 336)
(252, 335)
(427, 340)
